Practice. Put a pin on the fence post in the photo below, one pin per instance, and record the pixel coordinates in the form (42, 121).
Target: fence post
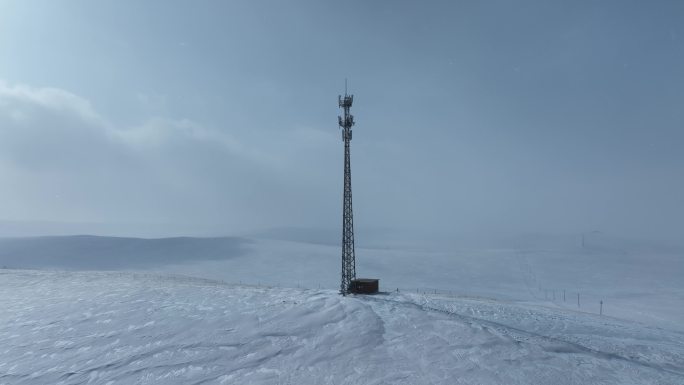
(578, 305)
(601, 309)
(563, 295)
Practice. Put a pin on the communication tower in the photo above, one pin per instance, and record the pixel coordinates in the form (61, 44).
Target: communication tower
(348, 257)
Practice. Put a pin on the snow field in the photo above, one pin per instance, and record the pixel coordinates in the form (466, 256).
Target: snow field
(123, 328)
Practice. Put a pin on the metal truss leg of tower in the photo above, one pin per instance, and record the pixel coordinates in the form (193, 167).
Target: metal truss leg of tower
(348, 257)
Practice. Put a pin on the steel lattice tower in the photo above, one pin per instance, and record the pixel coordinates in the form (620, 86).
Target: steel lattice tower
(348, 256)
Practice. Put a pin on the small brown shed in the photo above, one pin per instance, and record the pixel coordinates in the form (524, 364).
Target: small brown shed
(364, 286)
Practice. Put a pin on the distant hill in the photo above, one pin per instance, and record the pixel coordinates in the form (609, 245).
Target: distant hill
(96, 252)
(637, 280)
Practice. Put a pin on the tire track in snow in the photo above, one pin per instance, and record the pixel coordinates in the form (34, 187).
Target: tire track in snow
(526, 336)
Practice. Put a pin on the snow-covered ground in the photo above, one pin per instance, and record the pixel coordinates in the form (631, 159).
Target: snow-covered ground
(266, 311)
(124, 328)
(634, 283)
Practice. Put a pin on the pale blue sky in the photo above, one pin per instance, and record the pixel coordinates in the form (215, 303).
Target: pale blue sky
(472, 116)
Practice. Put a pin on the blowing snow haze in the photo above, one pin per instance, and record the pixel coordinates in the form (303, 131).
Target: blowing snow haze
(219, 118)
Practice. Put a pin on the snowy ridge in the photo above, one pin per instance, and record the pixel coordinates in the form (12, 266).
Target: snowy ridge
(121, 328)
(95, 252)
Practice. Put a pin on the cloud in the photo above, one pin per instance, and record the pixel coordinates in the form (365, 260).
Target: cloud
(51, 119)
(47, 127)
(65, 161)
(19, 99)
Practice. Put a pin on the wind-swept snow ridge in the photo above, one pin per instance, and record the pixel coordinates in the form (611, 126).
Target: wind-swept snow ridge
(122, 328)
